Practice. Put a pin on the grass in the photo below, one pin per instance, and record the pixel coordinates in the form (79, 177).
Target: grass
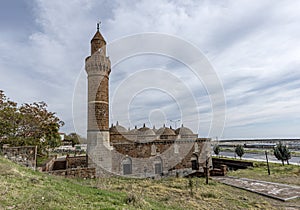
(41, 160)
(174, 193)
(287, 174)
(22, 188)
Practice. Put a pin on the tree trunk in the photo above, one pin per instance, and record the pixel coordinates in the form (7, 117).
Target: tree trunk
(282, 162)
(288, 161)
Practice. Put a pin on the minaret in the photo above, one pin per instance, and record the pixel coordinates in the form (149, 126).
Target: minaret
(98, 68)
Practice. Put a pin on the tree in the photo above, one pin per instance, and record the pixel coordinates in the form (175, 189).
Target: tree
(239, 150)
(282, 153)
(29, 124)
(74, 137)
(217, 149)
(9, 119)
(39, 126)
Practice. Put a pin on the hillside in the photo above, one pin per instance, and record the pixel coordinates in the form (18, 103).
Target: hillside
(22, 188)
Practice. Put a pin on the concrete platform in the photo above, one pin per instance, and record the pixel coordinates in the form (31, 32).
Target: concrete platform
(277, 191)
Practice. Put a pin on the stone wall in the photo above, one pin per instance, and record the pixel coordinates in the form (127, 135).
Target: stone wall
(174, 157)
(24, 155)
(75, 173)
(222, 171)
(76, 162)
(100, 171)
(231, 164)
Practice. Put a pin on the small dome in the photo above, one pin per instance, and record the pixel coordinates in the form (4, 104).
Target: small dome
(118, 129)
(184, 131)
(133, 131)
(165, 131)
(145, 131)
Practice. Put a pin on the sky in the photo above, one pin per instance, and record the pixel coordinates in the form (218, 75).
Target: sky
(252, 46)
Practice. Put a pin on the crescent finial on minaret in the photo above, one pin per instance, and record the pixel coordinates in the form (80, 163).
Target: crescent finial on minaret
(98, 25)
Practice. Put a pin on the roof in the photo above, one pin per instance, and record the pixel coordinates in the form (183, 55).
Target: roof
(98, 36)
(184, 131)
(165, 131)
(118, 129)
(145, 131)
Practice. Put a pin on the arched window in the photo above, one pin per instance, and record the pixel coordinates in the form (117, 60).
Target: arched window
(195, 163)
(158, 165)
(127, 166)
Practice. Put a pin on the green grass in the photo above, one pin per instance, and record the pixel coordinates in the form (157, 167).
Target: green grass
(174, 193)
(288, 174)
(41, 160)
(22, 188)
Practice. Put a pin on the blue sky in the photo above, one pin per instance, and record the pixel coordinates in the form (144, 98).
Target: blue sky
(254, 47)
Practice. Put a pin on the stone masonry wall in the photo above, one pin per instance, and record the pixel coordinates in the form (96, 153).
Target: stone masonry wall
(75, 173)
(173, 156)
(24, 155)
(76, 162)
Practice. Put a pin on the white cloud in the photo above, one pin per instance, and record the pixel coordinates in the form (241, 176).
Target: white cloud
(253, 45)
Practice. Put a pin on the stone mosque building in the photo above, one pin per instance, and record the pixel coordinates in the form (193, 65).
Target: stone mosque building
(137, 152)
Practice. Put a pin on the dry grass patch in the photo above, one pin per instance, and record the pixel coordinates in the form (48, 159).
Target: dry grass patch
(23, 188)
(176, 193)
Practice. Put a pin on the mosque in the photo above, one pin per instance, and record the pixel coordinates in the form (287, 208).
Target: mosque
(137, 152)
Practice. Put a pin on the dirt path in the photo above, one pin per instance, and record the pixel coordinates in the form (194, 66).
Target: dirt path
(278, 191)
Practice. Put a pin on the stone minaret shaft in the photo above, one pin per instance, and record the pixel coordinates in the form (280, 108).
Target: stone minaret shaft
(98, 69)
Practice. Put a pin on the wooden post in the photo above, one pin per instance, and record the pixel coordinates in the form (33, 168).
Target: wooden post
(191, 186)
(35, 158)
(267, 162)
(207, 169)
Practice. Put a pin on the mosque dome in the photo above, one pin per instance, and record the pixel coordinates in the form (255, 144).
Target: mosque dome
(145, 131)
(118, 129)
(133, 131)
(184, 131)
(165, 131)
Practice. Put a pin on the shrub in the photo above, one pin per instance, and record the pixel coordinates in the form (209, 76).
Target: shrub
(239, 150)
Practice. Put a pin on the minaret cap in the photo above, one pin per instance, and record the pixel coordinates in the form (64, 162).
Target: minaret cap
(98, 36)
(97, 41)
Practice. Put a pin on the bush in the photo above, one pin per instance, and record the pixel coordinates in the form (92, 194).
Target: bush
(282, 153)
(239, 150)
(217, 149)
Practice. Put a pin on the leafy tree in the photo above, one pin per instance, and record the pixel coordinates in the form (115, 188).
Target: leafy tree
(282, 153)
(29, 124)
(239, 150)
(74, 137)
(217, 149)
(9, 118)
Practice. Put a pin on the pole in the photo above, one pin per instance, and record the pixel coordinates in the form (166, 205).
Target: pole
(267, 162)
(207, 170)
(35, 160)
